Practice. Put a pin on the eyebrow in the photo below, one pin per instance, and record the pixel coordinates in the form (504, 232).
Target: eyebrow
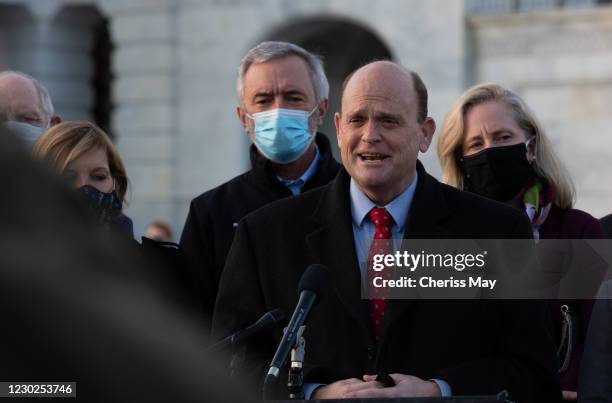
(493, 133)
(97, 168)
(290, 91)
(262, 93)
(294, 92)
(359, 110)
(101, 168)
(28, 112)
(377, 115)
(469, 137)
(387, 115)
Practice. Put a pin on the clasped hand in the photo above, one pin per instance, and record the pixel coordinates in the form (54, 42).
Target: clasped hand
(405, 386)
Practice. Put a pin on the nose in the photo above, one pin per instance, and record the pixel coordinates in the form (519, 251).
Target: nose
(80, 181)
(370, 133)
(278, 102)
(486, 143)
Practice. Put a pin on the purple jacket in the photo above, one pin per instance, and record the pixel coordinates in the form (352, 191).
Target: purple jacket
(571, 224)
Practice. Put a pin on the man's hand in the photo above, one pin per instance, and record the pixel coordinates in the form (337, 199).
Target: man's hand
(570, 395)
(405, 386)
(339, 389)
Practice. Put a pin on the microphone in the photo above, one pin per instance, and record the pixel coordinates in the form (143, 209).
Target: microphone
(312, 287)
(268, 321)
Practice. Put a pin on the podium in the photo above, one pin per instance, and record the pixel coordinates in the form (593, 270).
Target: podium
(451, 399)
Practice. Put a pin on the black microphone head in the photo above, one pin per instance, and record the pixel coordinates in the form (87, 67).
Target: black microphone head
(315, 279)
(270, 320)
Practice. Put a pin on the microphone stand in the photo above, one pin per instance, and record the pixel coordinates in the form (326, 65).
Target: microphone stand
(295, 379)
(295, 382)
(237, 361)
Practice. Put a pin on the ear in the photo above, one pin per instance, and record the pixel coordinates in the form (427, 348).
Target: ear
(55, 119)
(532, 149)
(428, 128)
(321, 111)
(241, 116)
(337, 120)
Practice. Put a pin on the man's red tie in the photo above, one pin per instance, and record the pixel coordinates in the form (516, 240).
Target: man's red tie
(382, 221)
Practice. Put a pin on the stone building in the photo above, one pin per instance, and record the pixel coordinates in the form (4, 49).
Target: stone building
(160, 74)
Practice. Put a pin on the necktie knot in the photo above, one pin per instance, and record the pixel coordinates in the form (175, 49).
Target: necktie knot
(381, 217)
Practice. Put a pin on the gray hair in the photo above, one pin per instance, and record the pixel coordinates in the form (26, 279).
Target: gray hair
(45, 99)
(272, 50)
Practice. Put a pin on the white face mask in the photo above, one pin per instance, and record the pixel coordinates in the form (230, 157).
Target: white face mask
(26, 132)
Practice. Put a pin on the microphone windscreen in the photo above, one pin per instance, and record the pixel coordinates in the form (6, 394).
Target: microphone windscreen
(315, 279)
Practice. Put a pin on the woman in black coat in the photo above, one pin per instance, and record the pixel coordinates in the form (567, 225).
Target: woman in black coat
(491, 144)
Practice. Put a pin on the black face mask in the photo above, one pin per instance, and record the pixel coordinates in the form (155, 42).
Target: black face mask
(498, 173)
(103, 207)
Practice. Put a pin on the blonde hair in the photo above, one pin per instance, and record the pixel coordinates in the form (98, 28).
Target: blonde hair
(67, 141)
(547, 165)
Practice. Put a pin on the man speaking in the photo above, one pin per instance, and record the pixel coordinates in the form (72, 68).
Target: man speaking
(429, 347)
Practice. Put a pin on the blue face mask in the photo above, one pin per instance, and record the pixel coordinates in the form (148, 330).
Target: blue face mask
(282, 135)
(26, 132)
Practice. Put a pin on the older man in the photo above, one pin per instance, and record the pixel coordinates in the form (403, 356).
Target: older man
(282, 93)
(25, 106)
(429, 348)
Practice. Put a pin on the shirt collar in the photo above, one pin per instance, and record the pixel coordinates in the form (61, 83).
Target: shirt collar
(307, 174)
(398, 208)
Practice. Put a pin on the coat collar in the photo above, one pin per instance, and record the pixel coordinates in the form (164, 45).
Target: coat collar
(429, 209)
(551, 228)
(331, 244)
(428, 206)
(261, 169)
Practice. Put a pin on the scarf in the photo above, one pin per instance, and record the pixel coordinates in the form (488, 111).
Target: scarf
(538, 200)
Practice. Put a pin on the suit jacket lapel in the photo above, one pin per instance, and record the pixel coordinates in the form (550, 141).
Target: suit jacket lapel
(428, 209)
(332, 244)
(424, 221)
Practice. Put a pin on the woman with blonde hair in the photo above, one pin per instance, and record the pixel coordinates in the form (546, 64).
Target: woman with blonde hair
(85, 157)
(491, 144)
